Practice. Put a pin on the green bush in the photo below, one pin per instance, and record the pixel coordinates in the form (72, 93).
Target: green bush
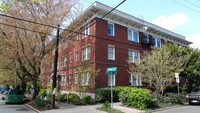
(71, 97)
(60, 97)
(39, 102)
(173, 98)
(43, 92)
(106, 106)
(103, 94)
(136, 97)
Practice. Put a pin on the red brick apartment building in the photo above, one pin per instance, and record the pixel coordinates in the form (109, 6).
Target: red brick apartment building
(120, 38)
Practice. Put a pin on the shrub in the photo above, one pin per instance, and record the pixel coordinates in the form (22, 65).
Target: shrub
(43, 92)
(71, 97)
(106, 106)
(103, 94)
(60, 97)
(39, 102)
(173, 98)
(135, 97)
(78, 102)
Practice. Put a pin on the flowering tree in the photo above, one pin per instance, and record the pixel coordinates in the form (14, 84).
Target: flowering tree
(24, 42)
(158, 67)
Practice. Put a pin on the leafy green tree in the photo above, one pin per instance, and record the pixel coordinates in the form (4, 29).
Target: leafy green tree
(192, 71)
(158, 67)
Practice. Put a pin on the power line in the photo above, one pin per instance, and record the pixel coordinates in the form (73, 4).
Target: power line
(186, 6)
(192, 3)
(25, 29)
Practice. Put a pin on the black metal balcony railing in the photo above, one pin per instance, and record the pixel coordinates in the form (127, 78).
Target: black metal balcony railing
(147, 41)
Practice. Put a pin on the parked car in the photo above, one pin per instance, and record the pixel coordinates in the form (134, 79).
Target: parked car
(194, 96)
(5, 94)
(14, 96)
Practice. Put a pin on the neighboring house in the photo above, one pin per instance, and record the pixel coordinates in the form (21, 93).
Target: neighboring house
(119, 38)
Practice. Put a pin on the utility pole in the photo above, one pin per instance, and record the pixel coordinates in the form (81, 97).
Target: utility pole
(55, 71)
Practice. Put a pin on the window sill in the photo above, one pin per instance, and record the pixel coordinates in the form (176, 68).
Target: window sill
(111, 59)
(111, 35)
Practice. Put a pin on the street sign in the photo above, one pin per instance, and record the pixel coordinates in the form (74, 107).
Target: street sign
(177, 80)
(176, 75)
(111, 72)
(112, 69)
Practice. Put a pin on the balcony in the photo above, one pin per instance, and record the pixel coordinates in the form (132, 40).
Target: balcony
(147, 41)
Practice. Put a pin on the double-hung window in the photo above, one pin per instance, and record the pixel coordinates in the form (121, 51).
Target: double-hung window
(53, 51)
(111, 29)
(134, 80)
(85, 79)
(58, 63)
(133, 36)
(76, 57)
(111, 80)
(65, 44)
(52, 65)
(133, 56)
(63, 80)
(70, 78)
(75, 78)
(86, 30)
(86, 53)
(156, 42)
(64, 61)
(70, 60)
(111, 52)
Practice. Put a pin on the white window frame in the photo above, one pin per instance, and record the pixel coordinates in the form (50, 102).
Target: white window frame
(76, 55)
(87, 53)
(75, 78)
(52, 65)
(109, 80)
(71, 57)
(113, 52)
(86, 31)
(85, 79)
(58, 63)
(112, 29)
(70, 78)
(53, 51)
(65, 44)
(132, 34)
(133, 53)
(64, 61)
(63, 80)
(156, 42)
(138, 81)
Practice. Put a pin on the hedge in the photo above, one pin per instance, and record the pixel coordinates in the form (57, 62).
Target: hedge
(103, 94)
(136, 97)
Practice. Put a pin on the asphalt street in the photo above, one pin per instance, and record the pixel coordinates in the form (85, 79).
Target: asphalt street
(183, 109)
(14, 108)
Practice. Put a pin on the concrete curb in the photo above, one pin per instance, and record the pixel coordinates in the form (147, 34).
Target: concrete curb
(161, 109)
(38, 111)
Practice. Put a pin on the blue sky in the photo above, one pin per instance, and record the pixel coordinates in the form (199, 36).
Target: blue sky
(180, 16)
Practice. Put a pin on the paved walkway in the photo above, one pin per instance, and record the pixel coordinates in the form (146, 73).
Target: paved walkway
(125, 109)
(69, 108)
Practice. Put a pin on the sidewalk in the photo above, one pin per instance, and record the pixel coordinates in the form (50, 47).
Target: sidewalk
(125, 109)
(69, 108)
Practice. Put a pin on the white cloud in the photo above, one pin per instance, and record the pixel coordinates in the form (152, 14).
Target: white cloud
(172, 21)
(195, 39)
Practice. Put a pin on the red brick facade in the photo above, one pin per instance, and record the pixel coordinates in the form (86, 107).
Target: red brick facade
(98, 56)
